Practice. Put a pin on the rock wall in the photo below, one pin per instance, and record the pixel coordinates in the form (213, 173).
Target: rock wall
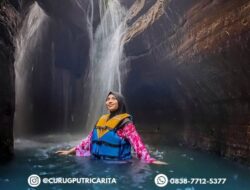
(189, 72)
(8, 27)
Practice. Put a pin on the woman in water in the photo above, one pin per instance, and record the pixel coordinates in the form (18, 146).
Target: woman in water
(113, 135)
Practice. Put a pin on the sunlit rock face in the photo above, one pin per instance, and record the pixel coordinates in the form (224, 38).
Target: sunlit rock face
(8, 24)
(189, 75)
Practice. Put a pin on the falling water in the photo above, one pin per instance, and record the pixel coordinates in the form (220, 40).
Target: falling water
(106, 52)
(27, 42)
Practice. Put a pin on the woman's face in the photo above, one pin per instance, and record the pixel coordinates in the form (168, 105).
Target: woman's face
(111, 103)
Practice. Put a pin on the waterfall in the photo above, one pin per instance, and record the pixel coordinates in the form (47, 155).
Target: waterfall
(106, 52)
(26, 42)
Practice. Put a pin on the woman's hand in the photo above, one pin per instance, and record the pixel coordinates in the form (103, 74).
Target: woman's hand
(63, 152)
(66, 152)
(159, 162)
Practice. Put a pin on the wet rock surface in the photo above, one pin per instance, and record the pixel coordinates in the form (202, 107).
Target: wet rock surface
(190, 71)
(8, 28)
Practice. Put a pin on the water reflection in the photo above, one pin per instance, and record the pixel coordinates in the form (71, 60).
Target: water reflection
(37, 156)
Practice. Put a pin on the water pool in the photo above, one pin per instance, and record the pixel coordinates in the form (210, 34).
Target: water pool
(37, 157)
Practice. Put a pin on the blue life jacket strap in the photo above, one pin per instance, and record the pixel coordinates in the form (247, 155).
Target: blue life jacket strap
(108, 157)
(107, 144)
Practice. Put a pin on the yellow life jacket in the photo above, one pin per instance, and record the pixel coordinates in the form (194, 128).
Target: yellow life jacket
(104, 124)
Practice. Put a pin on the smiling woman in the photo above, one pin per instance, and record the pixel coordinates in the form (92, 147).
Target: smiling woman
(112, 103)
(113, 136)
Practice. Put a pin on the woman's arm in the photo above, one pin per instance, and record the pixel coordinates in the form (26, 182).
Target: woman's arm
(130, 133)
(83, 149)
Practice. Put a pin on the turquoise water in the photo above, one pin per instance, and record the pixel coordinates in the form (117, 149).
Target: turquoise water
(37, 157)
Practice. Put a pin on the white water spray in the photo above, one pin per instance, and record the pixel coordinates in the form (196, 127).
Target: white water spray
(105, 56)
(27, 42)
